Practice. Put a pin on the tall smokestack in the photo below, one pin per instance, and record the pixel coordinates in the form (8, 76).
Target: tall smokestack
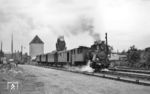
(106, 44)
(12, 45)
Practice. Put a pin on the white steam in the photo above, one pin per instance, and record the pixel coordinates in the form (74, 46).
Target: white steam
(87, 67)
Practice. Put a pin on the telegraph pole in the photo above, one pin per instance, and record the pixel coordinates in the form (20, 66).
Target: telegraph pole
(12, 45)
(21, 51)
(1, 46)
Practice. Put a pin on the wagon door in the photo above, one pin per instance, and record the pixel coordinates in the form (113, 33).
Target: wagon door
(46, 58)
(56, 57)
(67, 56)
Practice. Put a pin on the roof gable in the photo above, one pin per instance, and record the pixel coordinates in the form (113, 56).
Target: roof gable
(36, 39)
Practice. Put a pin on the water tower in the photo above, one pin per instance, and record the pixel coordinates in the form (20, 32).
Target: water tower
(36, 47)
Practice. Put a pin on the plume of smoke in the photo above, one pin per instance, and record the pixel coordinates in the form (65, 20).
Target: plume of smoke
(88, 25)
(81, 25)
(61, 38)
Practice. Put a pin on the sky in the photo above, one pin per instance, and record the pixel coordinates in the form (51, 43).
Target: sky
(127, 22)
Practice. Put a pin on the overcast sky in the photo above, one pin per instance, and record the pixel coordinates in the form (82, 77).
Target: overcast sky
(127, 22)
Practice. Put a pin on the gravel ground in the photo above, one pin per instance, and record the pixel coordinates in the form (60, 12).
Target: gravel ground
(37, 80)
(28, 83)
(49, 81)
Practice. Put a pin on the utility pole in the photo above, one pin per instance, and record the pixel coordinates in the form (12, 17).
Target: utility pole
(12, 45)
(1, 51)
(1, 46)
(21, 51)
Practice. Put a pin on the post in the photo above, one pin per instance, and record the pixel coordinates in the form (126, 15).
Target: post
(106, 46)
(1, 46)
(21, 51)
(12, 45)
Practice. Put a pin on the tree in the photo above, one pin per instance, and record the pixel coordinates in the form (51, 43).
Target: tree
(147, 57)
(133, 56)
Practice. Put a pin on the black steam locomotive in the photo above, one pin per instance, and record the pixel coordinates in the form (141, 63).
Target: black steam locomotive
(97, 54)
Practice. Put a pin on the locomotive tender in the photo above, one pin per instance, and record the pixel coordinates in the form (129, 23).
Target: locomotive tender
(97, 54)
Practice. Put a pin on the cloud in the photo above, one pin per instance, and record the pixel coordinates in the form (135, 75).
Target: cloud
(51, 18)
(26, 18)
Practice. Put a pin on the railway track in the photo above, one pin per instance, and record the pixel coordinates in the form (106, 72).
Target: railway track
(114, 75)
(140, 76)
(131, 70)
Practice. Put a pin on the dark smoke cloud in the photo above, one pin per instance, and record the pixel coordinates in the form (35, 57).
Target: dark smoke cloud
(81, 25)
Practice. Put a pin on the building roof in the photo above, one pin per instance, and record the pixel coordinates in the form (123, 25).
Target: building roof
(37, 40)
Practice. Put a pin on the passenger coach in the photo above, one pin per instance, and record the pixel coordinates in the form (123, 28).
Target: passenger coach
(72, 57)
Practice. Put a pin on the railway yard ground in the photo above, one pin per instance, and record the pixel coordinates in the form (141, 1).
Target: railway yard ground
(38, 80)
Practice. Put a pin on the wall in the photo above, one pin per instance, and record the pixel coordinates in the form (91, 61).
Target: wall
(36, 49)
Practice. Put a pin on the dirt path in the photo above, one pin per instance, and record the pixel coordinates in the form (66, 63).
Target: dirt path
(49, 81)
